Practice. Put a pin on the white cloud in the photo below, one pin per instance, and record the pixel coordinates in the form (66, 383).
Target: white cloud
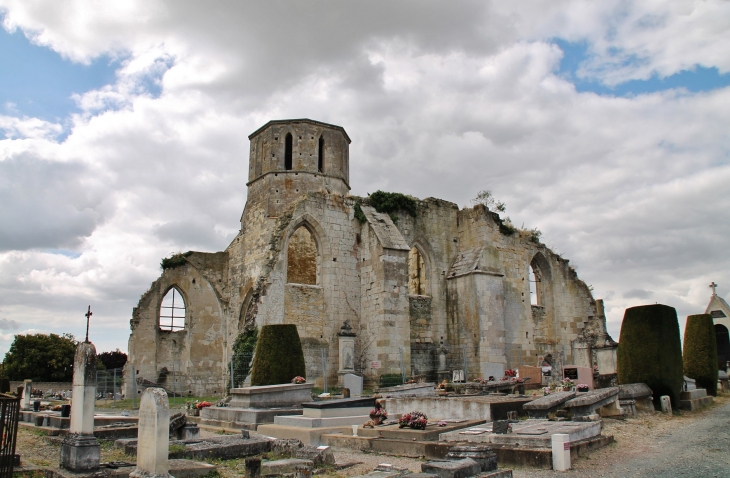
(439, 100)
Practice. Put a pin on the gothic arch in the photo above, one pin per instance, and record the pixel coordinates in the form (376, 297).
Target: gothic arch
(423, 249)
(543, 279)
(319, 237)
(243, 313)
(172, 316)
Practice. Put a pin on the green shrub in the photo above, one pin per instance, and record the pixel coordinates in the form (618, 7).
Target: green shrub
(176, 260)
(392, 202)
(649, 350)
(391, 379)
(279, 356)
(700, 352)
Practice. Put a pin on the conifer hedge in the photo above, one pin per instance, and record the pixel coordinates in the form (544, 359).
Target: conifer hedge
(278, 357)
(649, 350)
(700, 352)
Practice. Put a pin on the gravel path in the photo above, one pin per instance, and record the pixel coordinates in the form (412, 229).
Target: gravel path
(690, 445)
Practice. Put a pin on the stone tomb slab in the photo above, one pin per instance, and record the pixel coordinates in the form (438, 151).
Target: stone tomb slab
(638, 393)
(452, 469)
(283, 467)
(229, 417)
(431, 433)
(345, 407)
(354, 383)
(585, 404)
(548, 404)
(694, 399)
(291, 395)
(531, 433)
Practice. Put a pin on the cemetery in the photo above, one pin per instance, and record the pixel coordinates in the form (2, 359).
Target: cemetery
(279, 426)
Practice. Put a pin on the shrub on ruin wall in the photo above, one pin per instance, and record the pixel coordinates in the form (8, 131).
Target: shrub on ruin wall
(279, 356)
(649, 350)
(700, 352)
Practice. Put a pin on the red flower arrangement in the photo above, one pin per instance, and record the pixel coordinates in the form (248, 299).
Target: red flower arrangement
(298, 379)
(415, 420)
(201, 405)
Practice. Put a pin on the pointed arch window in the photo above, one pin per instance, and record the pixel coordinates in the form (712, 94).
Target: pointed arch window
(172, 311)
(302, 258)
(288, 152)
(320, 154)
(533, 287)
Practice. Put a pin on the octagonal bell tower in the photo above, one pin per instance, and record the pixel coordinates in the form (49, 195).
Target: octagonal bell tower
(289, 158)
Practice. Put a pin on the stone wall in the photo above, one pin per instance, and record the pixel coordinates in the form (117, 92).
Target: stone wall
(301, 257)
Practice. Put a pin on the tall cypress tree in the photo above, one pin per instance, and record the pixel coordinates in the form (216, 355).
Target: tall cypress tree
(700, 352)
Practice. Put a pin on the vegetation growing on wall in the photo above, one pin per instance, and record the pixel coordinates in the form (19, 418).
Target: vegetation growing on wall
(389, 203)
(279, 356)
(243, 350)
(700, 352)
(359, 215)
(649, 350)
(175, 260)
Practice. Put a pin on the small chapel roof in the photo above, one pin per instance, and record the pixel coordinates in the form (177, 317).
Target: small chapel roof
(717, 307)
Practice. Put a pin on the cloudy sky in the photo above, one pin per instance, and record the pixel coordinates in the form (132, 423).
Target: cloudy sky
(123, 134)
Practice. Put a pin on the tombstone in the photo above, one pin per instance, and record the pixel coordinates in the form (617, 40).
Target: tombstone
(346, 348)
(153, 436)
(80, 449)
(253, 467)
(561, 451)
(579, 375)
(666, 404)
(482, 454)
(458, 376)
(354, 383)
(27, 391)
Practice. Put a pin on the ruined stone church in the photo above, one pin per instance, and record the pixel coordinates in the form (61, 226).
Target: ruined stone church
(438, 280)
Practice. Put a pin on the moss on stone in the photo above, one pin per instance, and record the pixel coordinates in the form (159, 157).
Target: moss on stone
(700, 352)
(649, 350)
(278, 357)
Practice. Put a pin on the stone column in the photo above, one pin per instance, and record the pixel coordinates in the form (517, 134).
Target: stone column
(27, 390)
(153, 435)
(80, 449)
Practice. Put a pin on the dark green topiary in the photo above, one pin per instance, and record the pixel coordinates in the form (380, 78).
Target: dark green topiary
(649, 350)
(700, 352)
(278, 357)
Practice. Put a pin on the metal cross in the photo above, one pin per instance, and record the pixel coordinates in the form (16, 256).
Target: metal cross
(88, 315)
(713, 286)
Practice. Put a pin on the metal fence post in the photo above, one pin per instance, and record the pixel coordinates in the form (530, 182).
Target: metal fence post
(466, 362)
(114, 389)
(324, 369)
(402, 365)
(134, 389)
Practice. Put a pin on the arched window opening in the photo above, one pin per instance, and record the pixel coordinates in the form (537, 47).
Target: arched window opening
(302, 258)
(320, 163)
(172, 311)
(540, 279)
(533, 287)
(287, 152)
(416, 273)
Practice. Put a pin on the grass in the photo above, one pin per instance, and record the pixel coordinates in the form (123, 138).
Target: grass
(174, 402)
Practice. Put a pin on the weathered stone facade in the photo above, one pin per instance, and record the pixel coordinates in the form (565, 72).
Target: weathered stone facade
(444, 277)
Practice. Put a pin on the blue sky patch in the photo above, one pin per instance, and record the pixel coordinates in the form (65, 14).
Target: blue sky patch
(695, 80)
(39, 82)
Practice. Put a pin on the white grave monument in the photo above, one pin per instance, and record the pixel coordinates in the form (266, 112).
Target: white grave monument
(153, 436)
(354, 383)
(80, 449)
(346, 351)
(27, 390)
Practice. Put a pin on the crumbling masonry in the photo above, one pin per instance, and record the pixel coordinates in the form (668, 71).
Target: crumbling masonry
(444, 279)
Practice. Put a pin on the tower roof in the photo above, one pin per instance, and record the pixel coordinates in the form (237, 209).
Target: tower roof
(301, 120)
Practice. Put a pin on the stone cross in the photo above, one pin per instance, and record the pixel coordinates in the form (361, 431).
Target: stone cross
(88, 315)
(153, 435)
(80, 449)
(713, 286)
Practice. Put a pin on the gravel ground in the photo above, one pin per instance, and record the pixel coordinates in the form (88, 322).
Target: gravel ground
(651, 445)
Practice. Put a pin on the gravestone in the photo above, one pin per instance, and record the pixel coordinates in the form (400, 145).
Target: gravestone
(153, 435)
(666, 404)
(482, 454)
(80, 449)
(458, 376)
(354, 383)
(27, 391)
(579, 375)
(452, 469)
